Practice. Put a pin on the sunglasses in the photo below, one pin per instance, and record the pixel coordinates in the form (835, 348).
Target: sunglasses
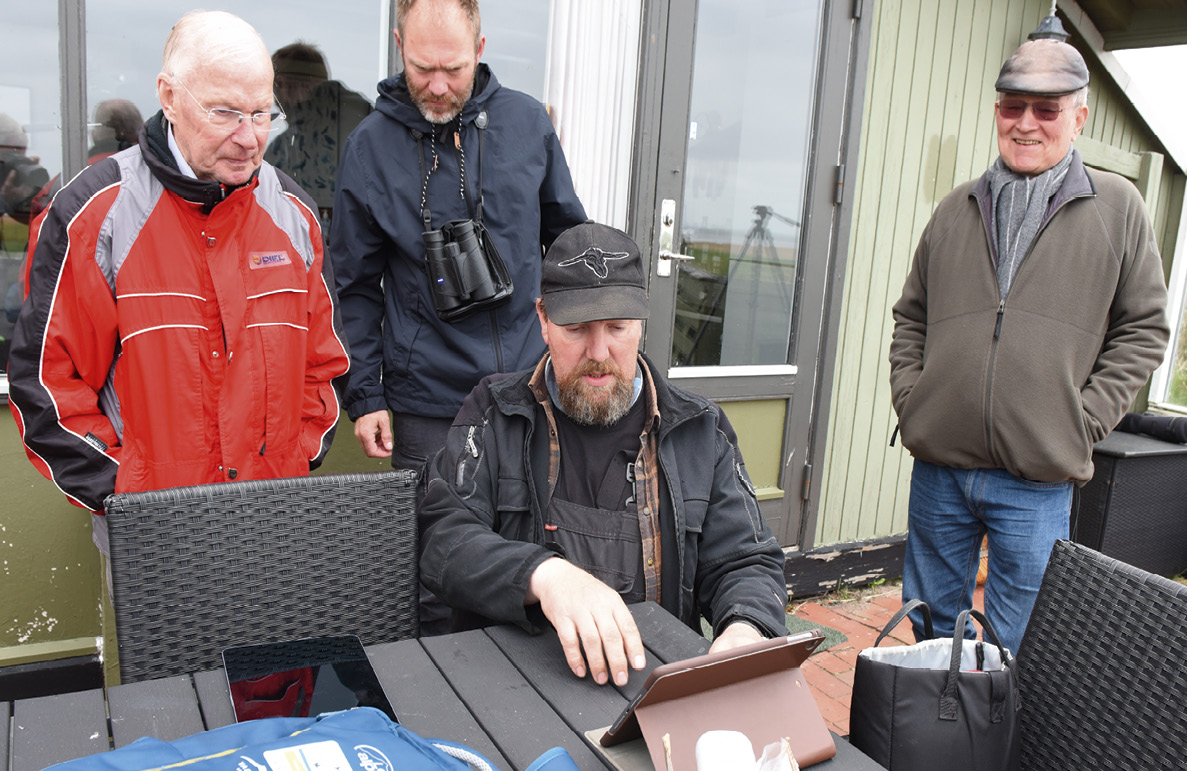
(1013, 109)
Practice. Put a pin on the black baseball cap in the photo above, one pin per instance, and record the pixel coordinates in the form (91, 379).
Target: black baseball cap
(593, 272)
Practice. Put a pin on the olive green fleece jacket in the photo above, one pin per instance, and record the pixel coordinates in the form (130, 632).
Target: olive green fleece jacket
(1028, 383)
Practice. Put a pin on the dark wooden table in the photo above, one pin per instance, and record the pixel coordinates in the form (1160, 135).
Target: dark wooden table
(507, 694)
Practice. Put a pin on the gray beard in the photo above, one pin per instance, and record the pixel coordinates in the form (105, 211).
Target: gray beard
(440, 119)
(583, 409)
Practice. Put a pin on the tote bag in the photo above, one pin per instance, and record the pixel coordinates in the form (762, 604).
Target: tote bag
(940, 703)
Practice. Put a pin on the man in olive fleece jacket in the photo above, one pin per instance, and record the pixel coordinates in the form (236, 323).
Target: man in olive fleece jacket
(1033, 312)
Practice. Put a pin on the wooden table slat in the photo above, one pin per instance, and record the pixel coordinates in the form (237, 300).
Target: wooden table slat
(5, 714)
(669, 639)
(505, 704)
(423, 700)
(542, 663)
(54, 729)
(164, 709)
(214, 698)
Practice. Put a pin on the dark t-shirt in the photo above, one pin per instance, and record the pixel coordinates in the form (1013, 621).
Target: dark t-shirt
(595, 460)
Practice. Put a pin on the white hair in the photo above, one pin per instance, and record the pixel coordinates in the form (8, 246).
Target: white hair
(205, 38)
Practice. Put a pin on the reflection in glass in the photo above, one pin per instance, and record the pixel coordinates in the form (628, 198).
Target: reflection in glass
(321, 113)
(750, 117)
(30, 143)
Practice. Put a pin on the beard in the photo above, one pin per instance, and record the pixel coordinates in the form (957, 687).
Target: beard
(596, 405)
(455, 103)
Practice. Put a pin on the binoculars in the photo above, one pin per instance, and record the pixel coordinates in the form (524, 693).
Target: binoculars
(465, 271)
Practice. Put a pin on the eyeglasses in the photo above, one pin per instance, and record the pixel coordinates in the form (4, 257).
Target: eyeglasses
(227, 118)
(1013, 109)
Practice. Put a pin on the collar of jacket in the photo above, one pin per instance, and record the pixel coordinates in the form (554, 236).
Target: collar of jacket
(514, 396)
(1077, 184)
(154, 146)
(396, 102)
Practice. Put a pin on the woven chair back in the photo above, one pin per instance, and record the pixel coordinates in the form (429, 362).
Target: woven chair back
(1101, 668)
(198, 569)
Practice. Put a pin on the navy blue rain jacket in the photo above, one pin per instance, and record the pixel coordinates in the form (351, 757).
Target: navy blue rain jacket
(402, 355)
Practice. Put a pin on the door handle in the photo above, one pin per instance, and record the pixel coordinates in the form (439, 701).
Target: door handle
(667, 231)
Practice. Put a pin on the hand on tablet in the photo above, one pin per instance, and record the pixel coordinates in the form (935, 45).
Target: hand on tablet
(588, 616)
(735, 635)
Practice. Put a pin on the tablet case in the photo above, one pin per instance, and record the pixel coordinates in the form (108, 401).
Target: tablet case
(757, 689)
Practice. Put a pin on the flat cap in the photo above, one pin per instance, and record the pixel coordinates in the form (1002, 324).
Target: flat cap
(1045, 66)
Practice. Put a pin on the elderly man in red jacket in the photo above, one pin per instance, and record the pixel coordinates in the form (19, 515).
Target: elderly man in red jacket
(180, 327)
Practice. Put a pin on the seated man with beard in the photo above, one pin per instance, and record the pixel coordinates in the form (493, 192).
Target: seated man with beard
(566, 491)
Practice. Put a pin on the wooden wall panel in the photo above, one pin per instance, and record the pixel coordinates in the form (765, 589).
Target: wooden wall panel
(927, 126)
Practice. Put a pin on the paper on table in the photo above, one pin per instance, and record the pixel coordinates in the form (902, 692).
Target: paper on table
(777, 756)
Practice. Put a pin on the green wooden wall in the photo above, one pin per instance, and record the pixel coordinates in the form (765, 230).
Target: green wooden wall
(49, 569)
(927, 126)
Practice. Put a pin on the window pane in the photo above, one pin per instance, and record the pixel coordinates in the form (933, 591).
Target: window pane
(326, 83)
(517, 43)
(1177, 388)
(30, 140)
(751, 111)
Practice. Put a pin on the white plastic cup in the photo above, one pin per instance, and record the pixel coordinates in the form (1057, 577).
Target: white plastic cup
(725, 751)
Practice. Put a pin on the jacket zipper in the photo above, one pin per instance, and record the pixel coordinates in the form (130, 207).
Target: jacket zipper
(677, 515)
(1001, 310)
(470, 445)
(494, 339)
(997, 331)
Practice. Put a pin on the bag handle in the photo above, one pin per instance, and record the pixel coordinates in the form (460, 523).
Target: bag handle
(464, 754)
(898, 617)
(948, 699)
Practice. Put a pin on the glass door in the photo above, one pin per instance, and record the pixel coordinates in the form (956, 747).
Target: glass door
(743, 225)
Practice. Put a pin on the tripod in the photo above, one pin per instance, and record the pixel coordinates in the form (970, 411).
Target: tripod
(759, 237)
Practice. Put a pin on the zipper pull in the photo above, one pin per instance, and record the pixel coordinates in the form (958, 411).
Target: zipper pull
(997, 329)
(460, 472)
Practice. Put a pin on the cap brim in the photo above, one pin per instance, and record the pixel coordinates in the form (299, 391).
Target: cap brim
(601, 303)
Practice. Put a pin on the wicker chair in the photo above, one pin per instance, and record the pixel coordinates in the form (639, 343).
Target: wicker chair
(197, 569)
(1101, 668)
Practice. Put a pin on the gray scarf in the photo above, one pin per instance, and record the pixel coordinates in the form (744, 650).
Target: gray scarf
(1019, 204)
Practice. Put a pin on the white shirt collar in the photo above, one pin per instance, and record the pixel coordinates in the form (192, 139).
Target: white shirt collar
(182, 165)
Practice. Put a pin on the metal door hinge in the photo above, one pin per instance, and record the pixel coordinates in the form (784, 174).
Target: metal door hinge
(806, 485)
(839, 194)
(856, 9)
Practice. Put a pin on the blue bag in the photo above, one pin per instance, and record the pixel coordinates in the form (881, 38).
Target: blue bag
(360, 739)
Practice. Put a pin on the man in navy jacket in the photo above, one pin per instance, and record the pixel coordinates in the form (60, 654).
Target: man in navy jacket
(446, 142)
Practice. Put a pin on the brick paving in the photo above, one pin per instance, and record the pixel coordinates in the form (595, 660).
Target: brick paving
(830, 673)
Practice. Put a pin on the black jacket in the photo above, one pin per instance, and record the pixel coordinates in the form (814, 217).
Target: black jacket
(483, 526)
(402, 355)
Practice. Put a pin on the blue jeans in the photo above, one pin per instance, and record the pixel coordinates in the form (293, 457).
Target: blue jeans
(950, 511)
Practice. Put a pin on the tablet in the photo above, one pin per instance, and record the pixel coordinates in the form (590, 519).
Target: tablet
(757, 689)
(299, 678)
